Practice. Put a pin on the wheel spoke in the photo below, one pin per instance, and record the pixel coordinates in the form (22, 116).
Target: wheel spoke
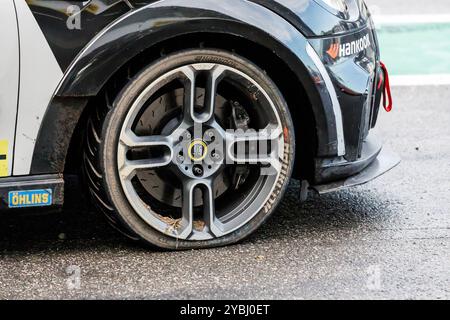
(214, 78)
(187, 221)
(253, 147)
(130, 167)
(215, 75)
(189, 94)
(209, 213)
(210, 209)
(130, 141)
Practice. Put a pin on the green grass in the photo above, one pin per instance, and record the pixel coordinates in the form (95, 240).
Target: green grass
(416, 48)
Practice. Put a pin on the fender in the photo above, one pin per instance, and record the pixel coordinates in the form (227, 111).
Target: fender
(307, 16)
(147, 26)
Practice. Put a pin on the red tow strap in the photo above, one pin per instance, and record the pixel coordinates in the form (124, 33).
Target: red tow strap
(387, 89)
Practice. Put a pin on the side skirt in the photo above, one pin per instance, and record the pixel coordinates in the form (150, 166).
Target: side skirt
(32, 192)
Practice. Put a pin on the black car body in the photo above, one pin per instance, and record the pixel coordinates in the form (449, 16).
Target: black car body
(325, 62)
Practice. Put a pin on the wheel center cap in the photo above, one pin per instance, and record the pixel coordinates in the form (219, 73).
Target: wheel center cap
(198, 150)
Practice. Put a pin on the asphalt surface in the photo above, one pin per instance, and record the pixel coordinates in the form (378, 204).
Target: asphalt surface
(387, 239)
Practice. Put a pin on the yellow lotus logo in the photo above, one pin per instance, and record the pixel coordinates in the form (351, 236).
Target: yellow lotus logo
(198, 150)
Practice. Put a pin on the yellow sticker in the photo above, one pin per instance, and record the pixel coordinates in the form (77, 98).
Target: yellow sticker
(3, 158)
(198, 150)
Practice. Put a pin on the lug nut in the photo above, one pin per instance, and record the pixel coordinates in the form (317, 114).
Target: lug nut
(215, 155)
(210, 135)
(198, 171)
(180, 156)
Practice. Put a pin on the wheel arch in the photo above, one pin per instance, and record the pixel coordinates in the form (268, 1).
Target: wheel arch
(107, 56)
(291, 88)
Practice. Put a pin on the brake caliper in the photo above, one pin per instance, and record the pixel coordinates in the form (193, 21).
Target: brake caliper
(240, 120)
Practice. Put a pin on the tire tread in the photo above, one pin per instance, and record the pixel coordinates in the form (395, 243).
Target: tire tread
(92, 171)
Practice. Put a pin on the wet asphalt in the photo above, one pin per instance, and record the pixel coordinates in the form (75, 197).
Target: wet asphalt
(389, 239)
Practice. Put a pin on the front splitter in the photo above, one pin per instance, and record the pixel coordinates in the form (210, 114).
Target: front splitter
(385, 161)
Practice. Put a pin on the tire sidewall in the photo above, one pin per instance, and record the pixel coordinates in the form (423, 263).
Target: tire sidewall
(113, 126)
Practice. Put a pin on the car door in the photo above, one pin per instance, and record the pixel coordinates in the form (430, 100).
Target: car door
(9, 84)
(40, 75)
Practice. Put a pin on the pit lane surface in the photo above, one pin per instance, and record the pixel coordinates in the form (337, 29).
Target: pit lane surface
(387, 239)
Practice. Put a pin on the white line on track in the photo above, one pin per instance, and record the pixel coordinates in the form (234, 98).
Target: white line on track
(415, 80)
(420, 80)
(411, 19)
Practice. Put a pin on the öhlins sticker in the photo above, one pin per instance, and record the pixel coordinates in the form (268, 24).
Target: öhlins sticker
(31, 198)
(3, 158)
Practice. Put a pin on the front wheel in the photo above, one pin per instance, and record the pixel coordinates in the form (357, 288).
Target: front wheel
(195, 152)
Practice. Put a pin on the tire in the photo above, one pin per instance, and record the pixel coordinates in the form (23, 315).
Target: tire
(124, 196)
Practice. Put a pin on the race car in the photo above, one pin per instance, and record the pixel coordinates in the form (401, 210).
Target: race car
(184, 120)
